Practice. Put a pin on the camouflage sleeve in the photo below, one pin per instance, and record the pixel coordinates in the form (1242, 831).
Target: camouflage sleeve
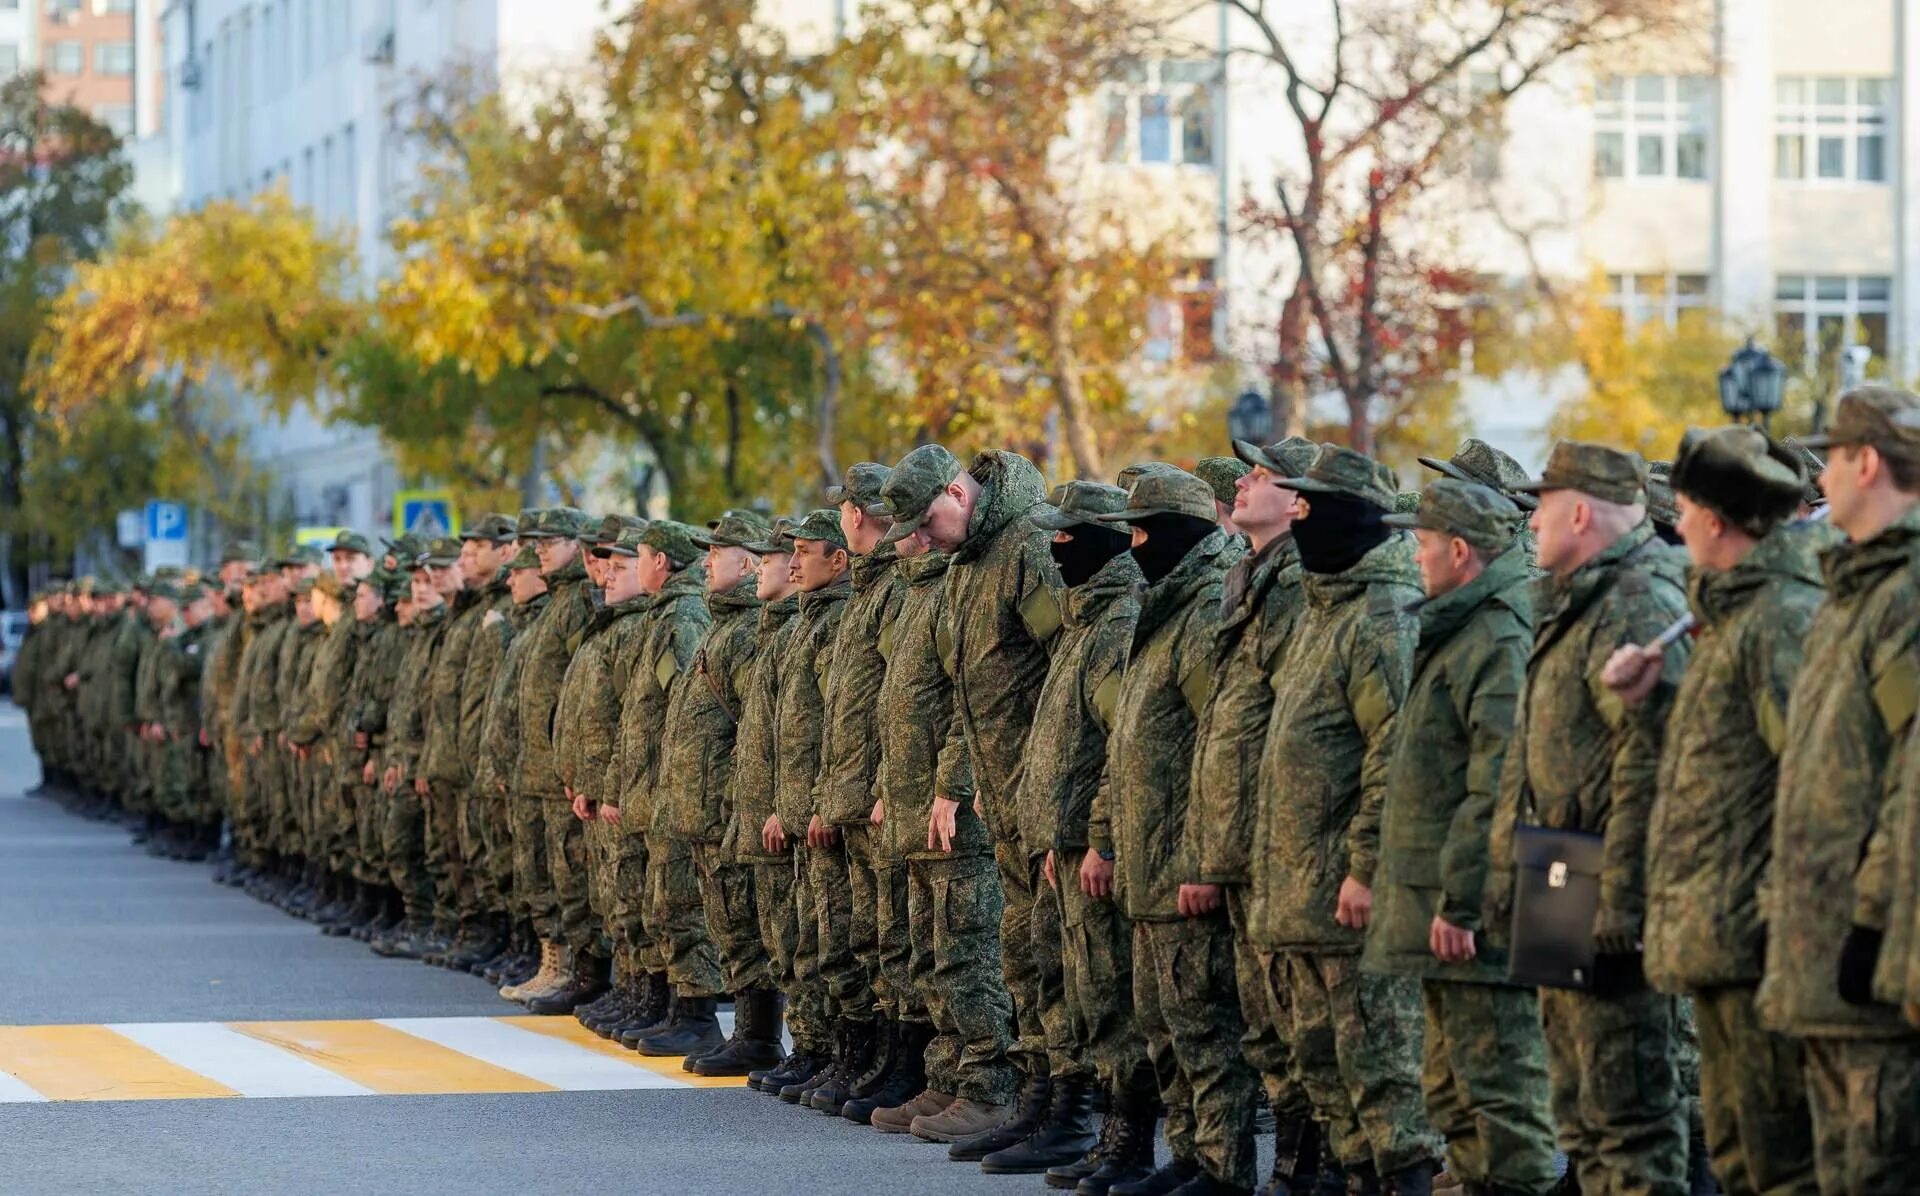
(490, 642)
(1100, 814)
(326, 694)
(953, 764)
(1639, 732)
(1896, 687)
(1486, 710)
(596, 737)
(1376, 688)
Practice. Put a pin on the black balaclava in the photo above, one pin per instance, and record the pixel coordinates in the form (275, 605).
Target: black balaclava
(1339, 529)
(1092, 546)
(1668, 533)
(1169, 539)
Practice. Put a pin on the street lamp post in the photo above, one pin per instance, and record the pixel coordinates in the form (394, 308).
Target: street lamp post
(1250, 418)
(1752, 385)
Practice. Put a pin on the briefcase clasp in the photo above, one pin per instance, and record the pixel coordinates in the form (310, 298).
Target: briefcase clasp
(1557, 875)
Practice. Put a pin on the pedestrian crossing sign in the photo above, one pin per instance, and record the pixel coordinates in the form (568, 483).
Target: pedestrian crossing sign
(426, 513)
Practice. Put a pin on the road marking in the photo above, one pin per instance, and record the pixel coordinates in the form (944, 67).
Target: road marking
(562, 1064)
(245, 1064)
(95, 1063)
(388, 1060)
(569, 1030)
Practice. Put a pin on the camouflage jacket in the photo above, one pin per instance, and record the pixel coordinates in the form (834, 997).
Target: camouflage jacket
(131, 638)
(1067, 749)
(552, 640)
(918, 761)
(694, 779)
(499, 769)
(586, 716)
(296, 670)
(850, 737)
(226, 651)
(1847, 727)
(1443, 772)
(322, 711)
(1260, 601)
(756, 756)
(484, 654)
(1323, 768)
(801, 709)
(447, 763)
(407, 710)
(378, 648)
(1002, 609)
(1581, 759)
(676, 619)
(1711, 835)
(257, 704)
(1142, 803)
(147, 681)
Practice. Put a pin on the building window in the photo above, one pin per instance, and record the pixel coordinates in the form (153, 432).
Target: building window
(1817, 315)
(63, 10)
(67, 58)
(119, 6)
(1641, 298)
(1652, 127)
(9, 57)
(113, 58)
(1180, 326)
(118, 117)
(1831, 130)
(1161, 113)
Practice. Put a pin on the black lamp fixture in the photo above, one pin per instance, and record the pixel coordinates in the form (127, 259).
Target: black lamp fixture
(1752, 385)
(1250, 418)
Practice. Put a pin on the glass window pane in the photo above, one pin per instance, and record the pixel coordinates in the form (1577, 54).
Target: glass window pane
(1156, 129)
(1830, 287)
(1690, 156)
(1871, 165)
(1650, 284)
(1187, 70)
(1833, 157)
(1790, 91)
(1791, 287)
(1874, 288)
(1830, 91)
(1609, 155)
(1694, 89)
(1870, 329)
(1790, 338)
(1650, 89)
(1196, 129)
(1871, 93)
(1829, 335)
(1690, 285)
(1616, 283)
(1650, 159)
(1789, 156)
(1114, 139)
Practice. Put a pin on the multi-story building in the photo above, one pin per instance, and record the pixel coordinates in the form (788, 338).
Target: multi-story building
(101, 55)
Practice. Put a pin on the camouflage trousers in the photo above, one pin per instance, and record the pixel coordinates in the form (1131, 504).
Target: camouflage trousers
(1485, 1079)
(954, 907)
(677, 915)
(572, 923)
(1096, 979)
(628, 927)
(1356, 1049)
(1267, 1008)
(603, 844)
(777, 901)
(496, 832)
(470, 819)
(876, 887)
(826, 954)
(369, 825)
(452, 890)
(533, 899)
(728, 899)
(1753, 1088)
(1864, 1094)
(1030, 962)
(1617, 1104)
(1188, 1007)
(404, 843)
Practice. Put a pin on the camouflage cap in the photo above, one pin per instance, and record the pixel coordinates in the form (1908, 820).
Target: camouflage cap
(1406, 502)
(1140, 469)
(1480, 515)
(611, 528)
(563, 523)
(1170, 492)
(1477, 461)
(674, 540)
(439, 553)
(1742, 475)
(1073, 504)
(396, 585)
(194, 591)
(823, 525)
(734, 529)
(407, 547)
(493, 529)
(527, 526)
(1221, 473)
(1608, 474)
(1286, 458)
(778, 540)
(526, 558)
(1660, 505)
(862, 484)
(1880, 416)
(239, 552)
(746, 513)
(298, 556)
(1337, 469)
(301, 588)
(347, 540)
(164, 589)
(911, 488)
(626, 544)
(1813, 467)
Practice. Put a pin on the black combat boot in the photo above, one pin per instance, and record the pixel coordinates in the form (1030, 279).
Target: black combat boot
(1413, 1180)
(1064, 1135)
(904, 1080)
(755, 1044)
(1129, 1155)
(1363, 1180)
(795, 1068)
(1296, 1159)
(797, 1092)
(488, 940)
(694, 1027)
(495, 971)
(654, 1015)
(1067, 1176)
(1164, 1182)
(636, 992)
(863, 1043)
(886, 1054)
(586, 980)
(609, 1005)
(1028, 1112)
(408, 940)
(339, 917)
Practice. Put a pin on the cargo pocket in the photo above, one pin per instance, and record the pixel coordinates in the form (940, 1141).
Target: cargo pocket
(973, 903)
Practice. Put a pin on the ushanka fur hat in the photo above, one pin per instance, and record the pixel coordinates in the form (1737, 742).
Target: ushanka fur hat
(1741, 475)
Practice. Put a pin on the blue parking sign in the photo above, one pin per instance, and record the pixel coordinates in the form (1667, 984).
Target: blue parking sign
(166, 521)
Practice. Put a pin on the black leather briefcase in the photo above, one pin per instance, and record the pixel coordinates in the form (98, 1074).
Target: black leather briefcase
(1556, 892)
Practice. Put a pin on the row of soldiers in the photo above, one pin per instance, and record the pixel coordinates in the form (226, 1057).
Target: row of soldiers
(1168, 796)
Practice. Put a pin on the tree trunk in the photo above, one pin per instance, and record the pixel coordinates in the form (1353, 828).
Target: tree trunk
(1359, 424)
(1076, 416)
(826, 417)
(1289, 378)
(533, 480)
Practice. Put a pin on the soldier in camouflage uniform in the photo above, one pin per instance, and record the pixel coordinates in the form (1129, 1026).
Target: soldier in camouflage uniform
(1091, 1037)
(1754, 587)
(223, 649)
(1829, 899)
(1339, 681)
(356, 741)
(1222, 475)
(1485, 1070)
(853, 911)
(1003, 610)
(1477, 461)
(315, 731)
(255, 711)
(1184, 994)
(403, 839)
(484, 550)
(1582, 760)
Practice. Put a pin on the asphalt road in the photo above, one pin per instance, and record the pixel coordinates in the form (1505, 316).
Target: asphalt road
(94, 931)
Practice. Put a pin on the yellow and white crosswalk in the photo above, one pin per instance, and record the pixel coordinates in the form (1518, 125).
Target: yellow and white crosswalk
(389, 1056)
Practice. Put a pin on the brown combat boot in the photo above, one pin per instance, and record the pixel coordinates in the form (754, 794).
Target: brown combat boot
(899, 1119)
(961, 1119)
(553, 971)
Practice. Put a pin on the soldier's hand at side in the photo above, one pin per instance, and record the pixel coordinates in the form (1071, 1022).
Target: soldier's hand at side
(579, 801)
(773, 836)
(1448, 942)
(820, 834)
(420, 786)
(1912, 1013)
(978, 811)
(1632, 672)
(362, 741)
(257, 746)
(943, 824)
(610, 815)
(1197, 901)
(205, 739)
(1096, 876)
(391, 779)
(366, 774)
(1046, 870)
(71, 681)
(1356, 905)
(879, 815)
